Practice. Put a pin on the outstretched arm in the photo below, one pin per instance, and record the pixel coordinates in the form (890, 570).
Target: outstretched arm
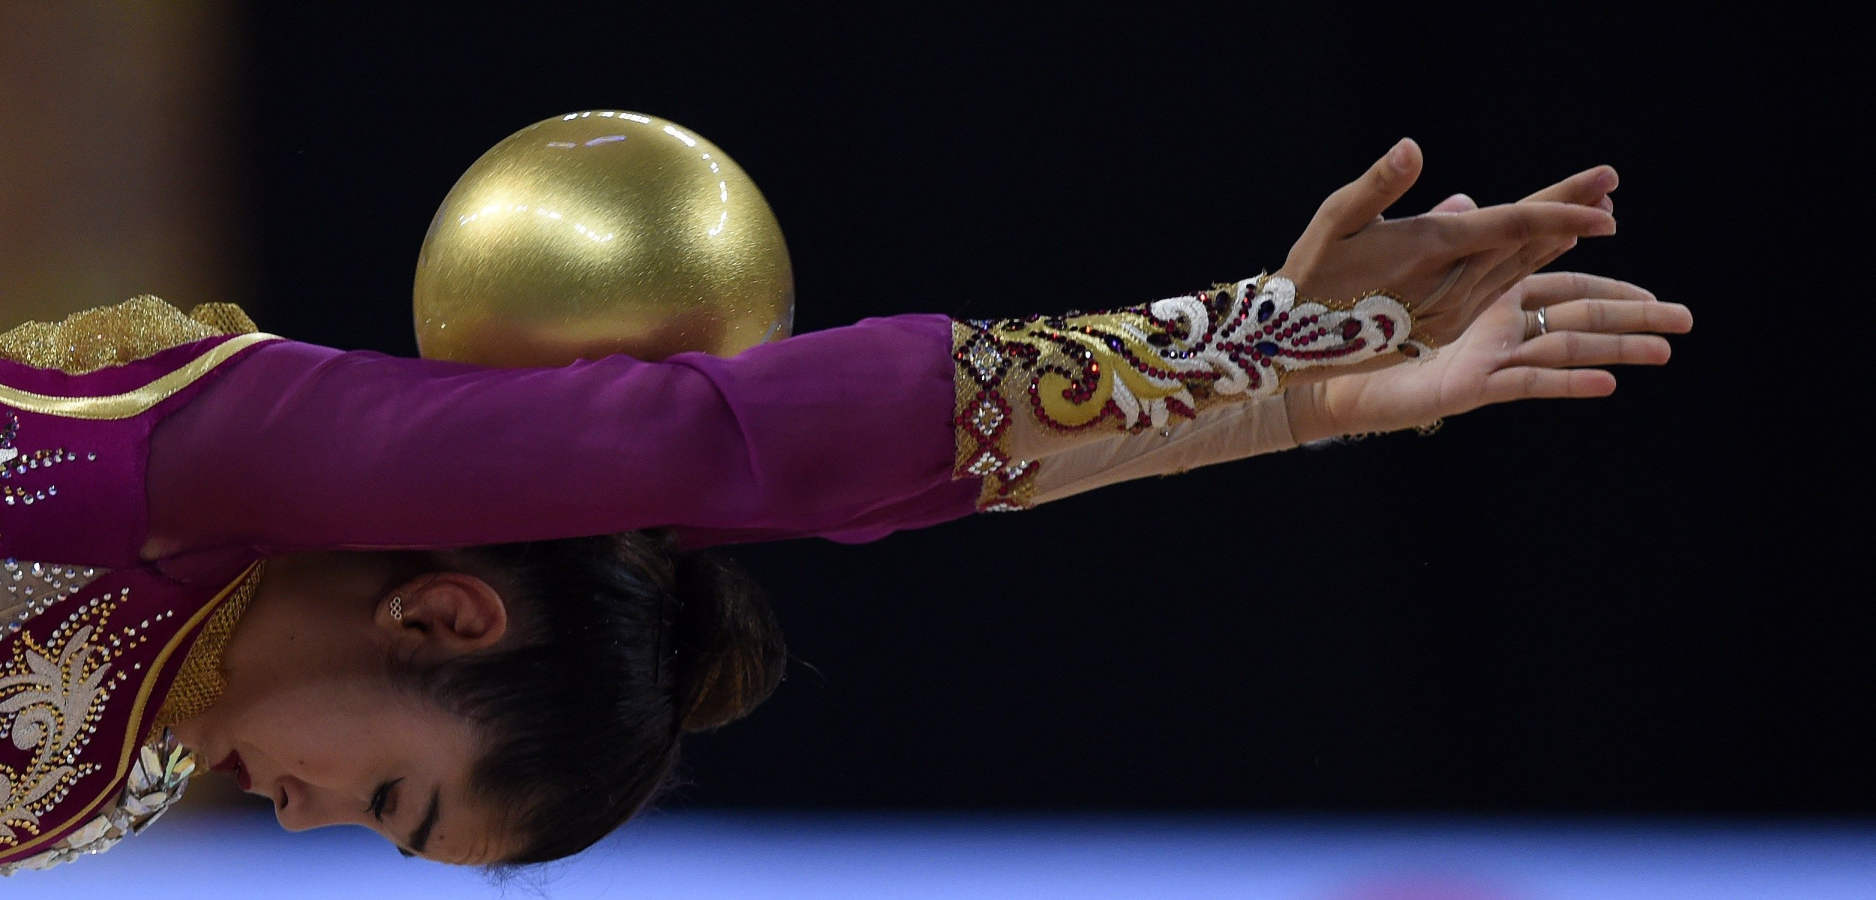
(848, 433)
(303, 446)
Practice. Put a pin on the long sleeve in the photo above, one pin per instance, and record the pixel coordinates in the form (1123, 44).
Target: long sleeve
(73, 444)
(845, 433)
(849, 433)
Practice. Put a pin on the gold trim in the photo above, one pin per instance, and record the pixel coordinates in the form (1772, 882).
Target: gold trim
(199, 682)
(134, 403)
(108, 336)
(134, 741)
(1012, 485)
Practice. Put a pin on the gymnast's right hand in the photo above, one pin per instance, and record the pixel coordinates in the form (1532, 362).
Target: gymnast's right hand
(1436, 264)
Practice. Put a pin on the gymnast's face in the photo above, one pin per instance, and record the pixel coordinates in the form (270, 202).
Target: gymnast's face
(314, 720)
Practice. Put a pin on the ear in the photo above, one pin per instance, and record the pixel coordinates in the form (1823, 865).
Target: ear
(442, 615)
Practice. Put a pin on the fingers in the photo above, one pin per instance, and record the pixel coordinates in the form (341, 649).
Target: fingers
(1566, 349)
(1528, 383)
(1455, 203)
(1357, 204)
(1589, 187)
(1620, 317)
(1477, 268)
(1515, 224)
(1512, 268)
(1558, 287)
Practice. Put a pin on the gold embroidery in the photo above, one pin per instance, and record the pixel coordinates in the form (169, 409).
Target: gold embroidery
(51, 696)
(199, 683)
(1141, 367)
(114, 335)
(156, 783)
(982, 424)
(147, 685)
(131, 403)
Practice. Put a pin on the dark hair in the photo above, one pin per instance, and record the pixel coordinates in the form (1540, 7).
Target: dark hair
(617, 646)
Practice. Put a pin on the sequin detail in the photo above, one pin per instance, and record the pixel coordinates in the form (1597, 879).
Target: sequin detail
(26, 475)
(52, 696)
(1139, 368)
(82, 674)
(155, 783)
(29, 588)
(199, 683)
(78, 344)
(114, 335)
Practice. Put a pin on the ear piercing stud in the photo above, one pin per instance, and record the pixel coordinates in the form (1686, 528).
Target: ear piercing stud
(397, 609)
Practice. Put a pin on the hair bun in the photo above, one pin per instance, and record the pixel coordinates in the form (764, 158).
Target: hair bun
(730, 651)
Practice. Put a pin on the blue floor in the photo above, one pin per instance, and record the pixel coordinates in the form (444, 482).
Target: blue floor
(759, 855)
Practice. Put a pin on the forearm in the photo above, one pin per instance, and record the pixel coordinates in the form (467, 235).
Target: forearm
(1309, 419)
(1217, 435)
(1031, 389)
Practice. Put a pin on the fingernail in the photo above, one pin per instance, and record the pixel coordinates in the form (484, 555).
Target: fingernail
(1607, 180)
(1606, 226)
(1397, 157)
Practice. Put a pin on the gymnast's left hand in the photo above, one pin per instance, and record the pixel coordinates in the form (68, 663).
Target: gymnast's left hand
(1590, 320)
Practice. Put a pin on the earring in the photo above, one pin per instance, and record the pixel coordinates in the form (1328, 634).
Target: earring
(397, 609)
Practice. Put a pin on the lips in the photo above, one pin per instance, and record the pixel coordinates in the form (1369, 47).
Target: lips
(233, 764)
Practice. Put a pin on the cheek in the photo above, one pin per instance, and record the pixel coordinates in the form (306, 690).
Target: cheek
(316, 732)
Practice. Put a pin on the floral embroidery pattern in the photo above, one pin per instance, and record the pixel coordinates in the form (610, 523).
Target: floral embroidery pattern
(1140, 367)
(52, 695)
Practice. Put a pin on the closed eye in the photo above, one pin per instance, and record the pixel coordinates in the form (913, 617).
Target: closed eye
(380, 798)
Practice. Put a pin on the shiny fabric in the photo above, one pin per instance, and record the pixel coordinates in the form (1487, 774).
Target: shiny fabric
(240, 447)
(172, 477)
(98, 651)
(844, 434)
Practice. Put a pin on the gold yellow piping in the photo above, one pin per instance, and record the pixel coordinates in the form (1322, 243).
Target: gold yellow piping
(133, 738)
(132, 403)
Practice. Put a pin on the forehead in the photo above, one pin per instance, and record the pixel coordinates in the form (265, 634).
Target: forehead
(465, 832)
(435, 752)
(349, 741)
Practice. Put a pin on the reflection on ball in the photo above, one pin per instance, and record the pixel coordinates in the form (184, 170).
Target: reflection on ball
(596, 233)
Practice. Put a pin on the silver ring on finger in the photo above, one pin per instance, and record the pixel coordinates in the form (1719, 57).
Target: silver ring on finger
(1543, 323)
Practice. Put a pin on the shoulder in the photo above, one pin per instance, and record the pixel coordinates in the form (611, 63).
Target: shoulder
(114, 335)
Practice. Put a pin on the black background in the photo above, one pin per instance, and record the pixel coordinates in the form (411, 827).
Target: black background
(1652, 602)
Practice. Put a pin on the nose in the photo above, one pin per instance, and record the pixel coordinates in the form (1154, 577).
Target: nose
(299, 806)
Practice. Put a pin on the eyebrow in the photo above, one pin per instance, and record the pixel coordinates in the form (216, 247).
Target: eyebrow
(421, 836)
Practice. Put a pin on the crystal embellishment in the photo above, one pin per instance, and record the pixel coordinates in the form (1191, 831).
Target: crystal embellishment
(155, 783)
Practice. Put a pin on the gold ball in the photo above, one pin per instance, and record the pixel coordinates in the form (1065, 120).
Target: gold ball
(596, 233)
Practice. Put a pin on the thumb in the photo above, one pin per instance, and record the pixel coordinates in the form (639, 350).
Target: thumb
(1358, 203)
